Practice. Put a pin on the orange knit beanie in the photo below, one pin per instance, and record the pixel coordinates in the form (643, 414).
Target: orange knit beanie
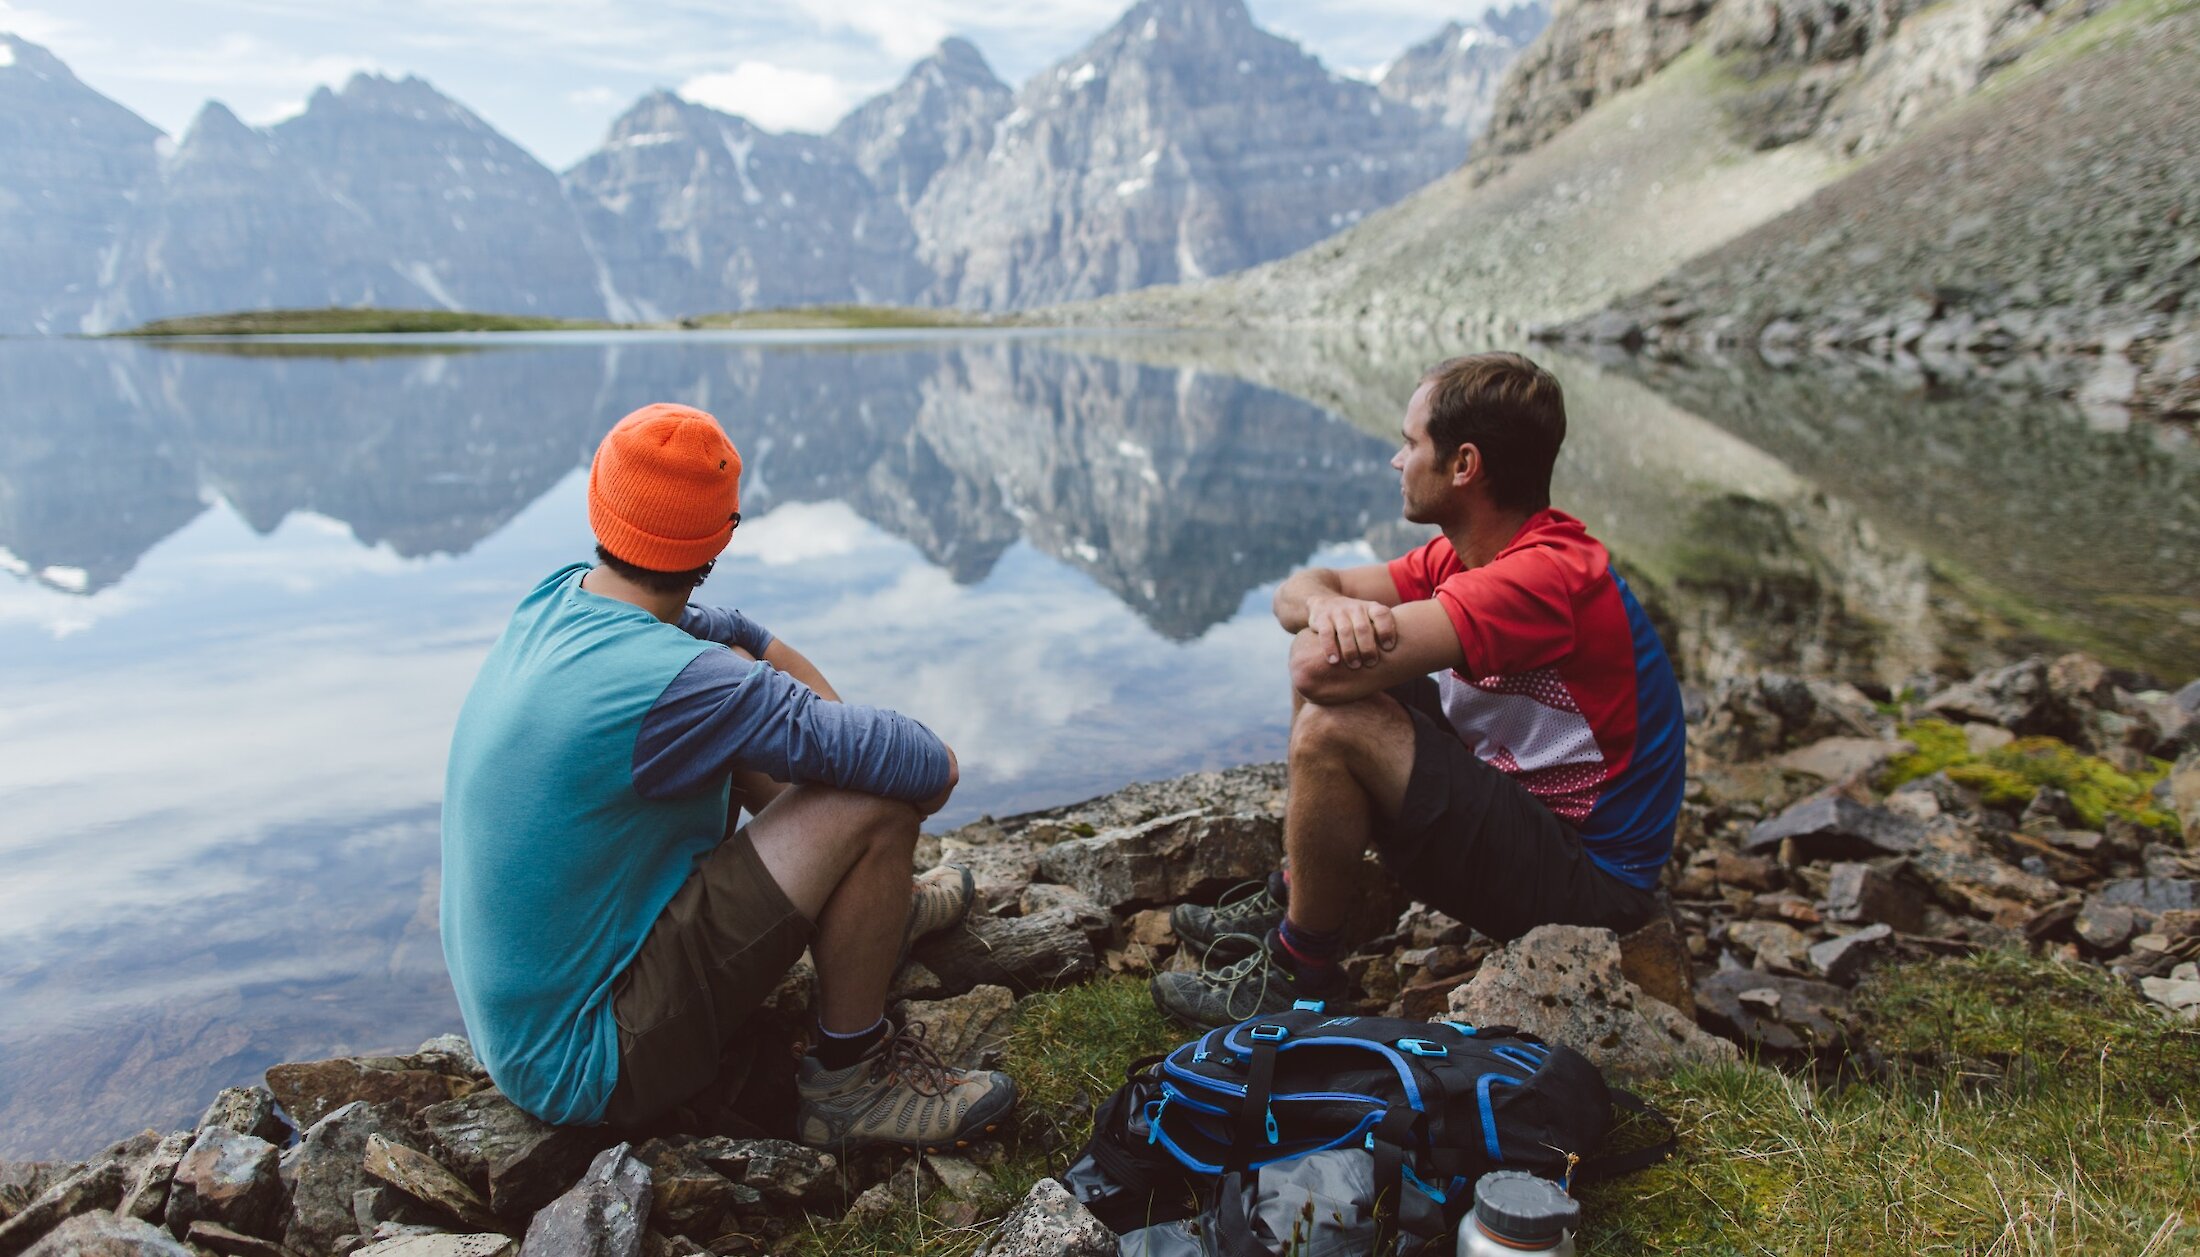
(665, 488)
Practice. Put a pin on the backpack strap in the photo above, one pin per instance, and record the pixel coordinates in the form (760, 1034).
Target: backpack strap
(1388, 1141)
(1611, 1165)
(1255, 1124)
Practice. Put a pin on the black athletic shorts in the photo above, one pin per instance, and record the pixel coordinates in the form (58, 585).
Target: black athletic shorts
(1475, 845)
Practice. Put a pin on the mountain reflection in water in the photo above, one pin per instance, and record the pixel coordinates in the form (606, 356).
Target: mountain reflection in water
(250, 591)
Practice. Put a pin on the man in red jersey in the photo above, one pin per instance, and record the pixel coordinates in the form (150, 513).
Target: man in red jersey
(1534, 778)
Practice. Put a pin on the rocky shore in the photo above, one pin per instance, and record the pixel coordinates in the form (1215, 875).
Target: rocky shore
(2049, 806)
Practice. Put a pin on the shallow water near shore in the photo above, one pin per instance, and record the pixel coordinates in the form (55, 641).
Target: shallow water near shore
(248, 585)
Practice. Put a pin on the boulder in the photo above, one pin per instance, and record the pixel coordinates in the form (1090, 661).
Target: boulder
(457, 1056)
(107, 1235)
(1966, 878)
(1834, 827)
(1049, 1222)
(2152, 894)
(1766, 713)
(2018, 698)
(967, 1030)
(1046, 896)
(1001, 867)
(96, 1185)
(1655, 958)
(442, 1246)
(603, 1215)
(1773, 1014)
(373, 1208)
(1843, 960)
(785, 1174)
(1860, 894)
(311, 1090)
(1024, 954)
(146, 1195)
(232, 1180)
(686, 1195)
(248, 1111)
(327, 1167)
(1564, 982)
(22, 1182)
(213, 1237)
(1845, 759)
(1746, 872)
(2106, 927)
(519, 1161)
(1170, 859)
(2180, 793)
(426, 1180)
(1776, 945)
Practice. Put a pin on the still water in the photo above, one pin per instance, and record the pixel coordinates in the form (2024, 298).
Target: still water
(246, 592)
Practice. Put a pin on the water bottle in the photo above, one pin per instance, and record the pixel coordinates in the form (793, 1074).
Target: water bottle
(1519, 1215)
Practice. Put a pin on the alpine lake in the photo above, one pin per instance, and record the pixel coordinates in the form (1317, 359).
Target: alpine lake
(247, 584)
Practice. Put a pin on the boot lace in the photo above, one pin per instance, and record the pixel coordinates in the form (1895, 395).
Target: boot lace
(906, 1057)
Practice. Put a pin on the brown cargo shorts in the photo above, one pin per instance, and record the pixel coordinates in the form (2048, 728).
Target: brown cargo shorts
(716, 951)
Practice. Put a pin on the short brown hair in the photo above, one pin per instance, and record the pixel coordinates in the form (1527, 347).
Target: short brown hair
(1510, 409)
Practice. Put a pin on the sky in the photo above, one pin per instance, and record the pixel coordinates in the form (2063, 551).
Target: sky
(553, 74)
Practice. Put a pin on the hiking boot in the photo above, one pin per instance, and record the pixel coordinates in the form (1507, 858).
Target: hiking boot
(902, 1093)
(1233, 928)
(1256, 986)
(940, 898)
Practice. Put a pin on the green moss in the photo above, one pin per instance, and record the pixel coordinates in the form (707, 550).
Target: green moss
(351, 322)
(2009, 776)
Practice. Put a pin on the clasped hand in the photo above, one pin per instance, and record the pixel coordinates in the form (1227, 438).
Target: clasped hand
(1352, 631)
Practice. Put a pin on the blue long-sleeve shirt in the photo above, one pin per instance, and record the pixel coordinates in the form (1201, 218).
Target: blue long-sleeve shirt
(588, 775)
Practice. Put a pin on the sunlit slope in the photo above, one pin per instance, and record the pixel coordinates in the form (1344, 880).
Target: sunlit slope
(1647, 178)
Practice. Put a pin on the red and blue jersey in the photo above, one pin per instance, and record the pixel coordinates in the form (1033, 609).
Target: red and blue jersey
(1566, 687)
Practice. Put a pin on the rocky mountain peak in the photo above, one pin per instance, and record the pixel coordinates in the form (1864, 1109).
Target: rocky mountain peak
(216, 126)
(1454, 73)
(945, 106)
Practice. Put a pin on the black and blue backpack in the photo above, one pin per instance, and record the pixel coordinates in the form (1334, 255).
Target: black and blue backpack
(1310, 1133)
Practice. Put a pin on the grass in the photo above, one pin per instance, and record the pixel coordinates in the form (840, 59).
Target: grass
(2023, 1108)
(2008, 777)
(362, 322)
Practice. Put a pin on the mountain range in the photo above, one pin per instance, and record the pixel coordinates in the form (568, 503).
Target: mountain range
(1182, 142)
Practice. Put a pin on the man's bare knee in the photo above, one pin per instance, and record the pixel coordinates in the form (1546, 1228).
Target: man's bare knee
(1328, 732)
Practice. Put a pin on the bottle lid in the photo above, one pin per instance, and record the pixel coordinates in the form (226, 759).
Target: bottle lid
(1522, 1209)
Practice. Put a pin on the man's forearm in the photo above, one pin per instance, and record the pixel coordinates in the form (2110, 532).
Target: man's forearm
(1297, 589)
(797, 665)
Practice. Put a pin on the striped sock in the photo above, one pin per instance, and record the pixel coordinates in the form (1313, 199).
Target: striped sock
(1312, 953)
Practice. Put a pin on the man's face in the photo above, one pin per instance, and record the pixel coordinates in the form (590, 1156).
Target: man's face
(1424, 478)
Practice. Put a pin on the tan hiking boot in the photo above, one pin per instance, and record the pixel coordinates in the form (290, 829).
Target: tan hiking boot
(939, 900)
(903, 1094)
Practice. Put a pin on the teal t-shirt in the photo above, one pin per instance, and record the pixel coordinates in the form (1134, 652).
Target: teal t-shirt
(554, 866)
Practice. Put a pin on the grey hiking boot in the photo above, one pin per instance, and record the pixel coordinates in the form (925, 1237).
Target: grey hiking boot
(901, 1094)
(1233, 928)
(939, 899)
(1253, 987)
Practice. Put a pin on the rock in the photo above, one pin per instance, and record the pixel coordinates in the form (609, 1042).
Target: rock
(146, 1196)
(1187, 856)
(2179, 995)
(22, 1182)
(229, 1179)
(784, 1174)
(1150, 927)
(425, 1179)
(958, 1177)
(1749, 872)
(1765, 713)
(1967, 879)
(311, 1090)
(1843, 960)
(520, 1162)
(215, 1237)
(603, 1215)
(2017, 698)
(2152, 894)
(1787, 1016)
(1834, 827)
(688, 1197)
(1655, 958)
(874, 1204)
(2106, 925)
(97, 1185)
(107, 1235)
(1049, 1222)
(1001, 868)
(373, 1208)
(1776, 945)
(1845, 759)
(329, 1164)
(1982, 738)
(248, 1111)
(442, 1246)
(1024, 954)
(1564, 982)
(1046, 896)
(458, 1055)
(967, 1030)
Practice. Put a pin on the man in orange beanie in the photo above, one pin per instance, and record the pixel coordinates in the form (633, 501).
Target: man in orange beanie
(607, 926)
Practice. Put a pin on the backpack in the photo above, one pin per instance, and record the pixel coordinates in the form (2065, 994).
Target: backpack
(1305, 1132)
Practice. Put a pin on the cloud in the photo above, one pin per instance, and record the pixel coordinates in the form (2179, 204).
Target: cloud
(774, 97)
(593, 96)
(30, 24)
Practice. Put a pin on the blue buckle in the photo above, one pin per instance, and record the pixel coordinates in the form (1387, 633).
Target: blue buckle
(1460, 1026)
(1268, 1034)
(1422, 1047)
(1309, 1006)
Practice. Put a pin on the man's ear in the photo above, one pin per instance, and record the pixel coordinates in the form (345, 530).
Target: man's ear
(1466, 465)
